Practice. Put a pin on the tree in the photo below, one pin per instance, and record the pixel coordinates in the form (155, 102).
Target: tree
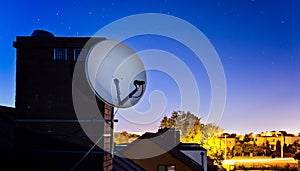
(247, 148)
(211, 142)
(187, 123)
(169, 122)
(164, 123)
(124, 137)
(237, 150)
(258, 151)
(296, 146)
(285, 148)
(215, 148)
(218, 157)
(268, 149)
(278, 146)
(192, 131)
(208, 131)
(291, 149)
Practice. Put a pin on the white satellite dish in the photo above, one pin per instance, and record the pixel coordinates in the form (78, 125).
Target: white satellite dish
(116, 73)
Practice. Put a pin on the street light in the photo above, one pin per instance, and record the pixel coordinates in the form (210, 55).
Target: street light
(225, 147)
(282, 144)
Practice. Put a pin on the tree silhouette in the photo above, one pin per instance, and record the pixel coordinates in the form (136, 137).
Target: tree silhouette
(278, 146)
(268, 149)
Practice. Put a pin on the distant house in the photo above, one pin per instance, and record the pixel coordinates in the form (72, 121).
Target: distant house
(162, 151)
(228, 140)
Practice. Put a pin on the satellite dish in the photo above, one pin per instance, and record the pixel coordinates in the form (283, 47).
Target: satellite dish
(116, 73)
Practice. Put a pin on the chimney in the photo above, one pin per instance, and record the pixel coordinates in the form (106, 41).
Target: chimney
(171, 136)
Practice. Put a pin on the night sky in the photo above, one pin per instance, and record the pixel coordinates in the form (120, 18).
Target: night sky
(258, 43)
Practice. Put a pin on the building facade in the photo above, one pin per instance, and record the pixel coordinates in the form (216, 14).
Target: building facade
(47, 130)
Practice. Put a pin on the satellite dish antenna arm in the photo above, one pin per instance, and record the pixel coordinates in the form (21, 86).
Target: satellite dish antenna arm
(137, 85)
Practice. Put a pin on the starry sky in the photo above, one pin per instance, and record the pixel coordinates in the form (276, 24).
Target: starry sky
(258, 43)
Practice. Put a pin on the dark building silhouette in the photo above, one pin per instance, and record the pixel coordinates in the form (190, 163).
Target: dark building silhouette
(182, 156)
(7, 118)
(47, 133)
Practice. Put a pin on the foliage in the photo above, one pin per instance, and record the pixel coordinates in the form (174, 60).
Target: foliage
(124, 137)
(258, 151)
(215, 148)
(293, 148)
(268, 149)
(278, 146)
(237, 150)
(187, 123)
(247, 148)
(192, 131)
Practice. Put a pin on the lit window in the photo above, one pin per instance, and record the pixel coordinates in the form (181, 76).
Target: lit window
(79, 54)
(171, 168)
(166, 168)
(60, 54)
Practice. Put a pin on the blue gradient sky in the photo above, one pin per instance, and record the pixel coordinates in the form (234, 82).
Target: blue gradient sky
(258, 43)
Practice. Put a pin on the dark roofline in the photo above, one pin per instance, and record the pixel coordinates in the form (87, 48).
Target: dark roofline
(7, 109)
(190, 147)
(42, 33)
(121, 162)
(175, 152)
(55, 42)
(8, 115)
(147, 135)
